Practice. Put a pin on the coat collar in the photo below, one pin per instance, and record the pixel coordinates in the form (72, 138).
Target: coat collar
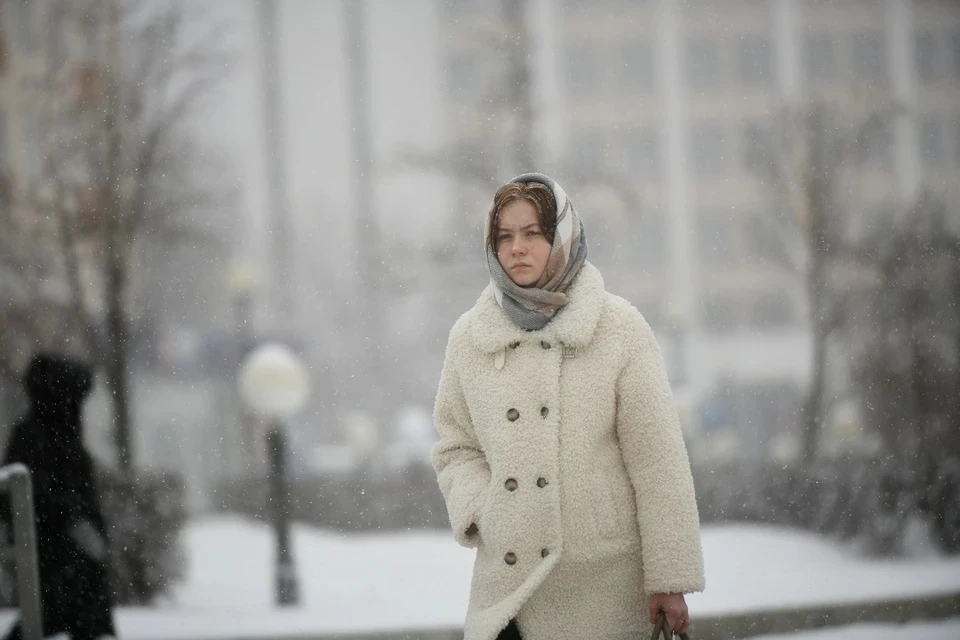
(492, 330)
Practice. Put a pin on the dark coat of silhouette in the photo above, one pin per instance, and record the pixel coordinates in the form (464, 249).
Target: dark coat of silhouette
(71, 533)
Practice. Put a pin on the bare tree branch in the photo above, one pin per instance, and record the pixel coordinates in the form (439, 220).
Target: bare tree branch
(148, 150)
(108, 121)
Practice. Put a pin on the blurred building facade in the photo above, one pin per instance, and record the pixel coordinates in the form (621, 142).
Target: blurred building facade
(680, 98)
(671, 99)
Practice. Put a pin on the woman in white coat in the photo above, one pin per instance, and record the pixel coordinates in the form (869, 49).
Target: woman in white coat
(560, 454)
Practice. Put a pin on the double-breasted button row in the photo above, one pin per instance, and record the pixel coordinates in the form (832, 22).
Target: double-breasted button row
(511, 484)
(513, 415)
(511, 558)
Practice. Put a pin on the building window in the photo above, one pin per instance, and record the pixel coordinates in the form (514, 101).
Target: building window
(717, 237)
(633, 242)
(820, 61)
(759, 155)
(931, 140)
(584, 73)
(773, 309)
(956, 54)
(31, 144)
(703, 63)
(926, 56)
(651, 242)
(754, 60)
(607, 238)
(610, 7)
(870, 58)
(590, 149)
(57, 40)
(642, 152)
(875, 145)
(636, 66)
(464, 78)
(23, 19)
(767, 239)
(721, 312)
(636, 242)
(4, 140)
(710, 148)
(956, 139)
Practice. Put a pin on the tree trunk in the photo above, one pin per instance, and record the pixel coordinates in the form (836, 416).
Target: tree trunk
(115, 266)
(813, 408)
(818, 188)
(118, 379)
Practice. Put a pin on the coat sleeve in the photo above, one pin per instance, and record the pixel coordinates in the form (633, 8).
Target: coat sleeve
(458, 459)
(656, 458)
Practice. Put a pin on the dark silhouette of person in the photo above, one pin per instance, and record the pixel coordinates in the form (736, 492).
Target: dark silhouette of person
(71, 533)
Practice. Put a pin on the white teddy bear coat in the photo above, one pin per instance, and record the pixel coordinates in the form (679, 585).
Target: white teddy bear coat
(563, 446)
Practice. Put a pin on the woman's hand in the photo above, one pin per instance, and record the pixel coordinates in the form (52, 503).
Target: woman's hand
(675, 608)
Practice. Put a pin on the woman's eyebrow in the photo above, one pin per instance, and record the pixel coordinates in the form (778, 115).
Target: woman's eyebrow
(527, 226)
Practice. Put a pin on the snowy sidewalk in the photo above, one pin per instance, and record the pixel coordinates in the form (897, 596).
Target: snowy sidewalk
(366, 583)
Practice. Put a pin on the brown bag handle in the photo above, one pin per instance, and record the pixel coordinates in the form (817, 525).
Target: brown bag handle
(661, 629)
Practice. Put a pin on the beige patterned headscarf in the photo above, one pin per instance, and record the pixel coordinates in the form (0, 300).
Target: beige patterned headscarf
(533, 307)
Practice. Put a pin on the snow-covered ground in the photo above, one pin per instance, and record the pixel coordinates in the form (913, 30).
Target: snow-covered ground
(944, 630)
(421, 580)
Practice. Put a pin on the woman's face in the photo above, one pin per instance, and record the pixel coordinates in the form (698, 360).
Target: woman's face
(522, 247)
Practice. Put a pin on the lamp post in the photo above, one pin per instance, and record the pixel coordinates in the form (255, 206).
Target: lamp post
(274, 383)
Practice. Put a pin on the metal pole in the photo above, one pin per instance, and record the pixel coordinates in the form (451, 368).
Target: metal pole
(516, 13)
(287, 586)
(16, 477)
(272, 90)
(683, 272)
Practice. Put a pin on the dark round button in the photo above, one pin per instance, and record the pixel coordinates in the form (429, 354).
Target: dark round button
(544, 412)
(510, 484)
(515, 344)
(513, 415)
(544, 344)
(510, 558)
(544, 553)
(542, 482)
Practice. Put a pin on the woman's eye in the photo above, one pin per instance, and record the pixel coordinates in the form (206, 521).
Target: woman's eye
(533, 233)
(501, 238)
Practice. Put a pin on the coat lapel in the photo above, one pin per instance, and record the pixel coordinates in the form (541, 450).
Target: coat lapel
(492, 330)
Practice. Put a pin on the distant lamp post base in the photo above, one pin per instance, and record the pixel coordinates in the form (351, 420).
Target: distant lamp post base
(288, 591)
(288, 587)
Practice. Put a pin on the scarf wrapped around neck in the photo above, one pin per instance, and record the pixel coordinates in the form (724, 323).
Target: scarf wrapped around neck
(532, 307)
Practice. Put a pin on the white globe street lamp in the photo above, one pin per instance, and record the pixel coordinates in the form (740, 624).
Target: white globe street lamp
(275, 383)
